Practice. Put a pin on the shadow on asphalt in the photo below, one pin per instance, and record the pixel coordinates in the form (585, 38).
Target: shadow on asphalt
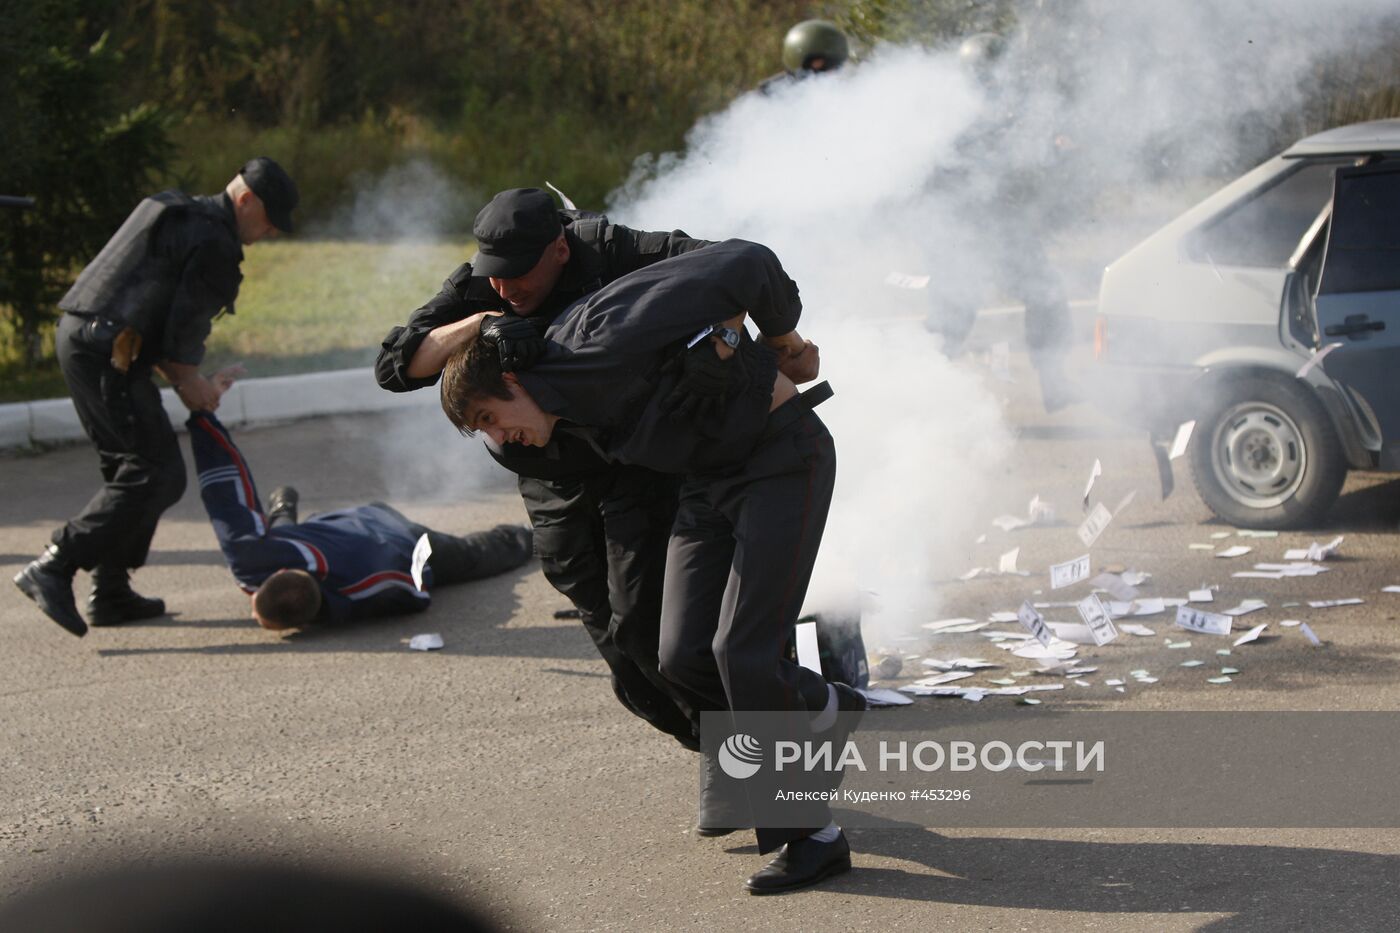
(1263, 887)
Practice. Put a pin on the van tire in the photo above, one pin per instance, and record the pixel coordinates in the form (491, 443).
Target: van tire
(1264, 453)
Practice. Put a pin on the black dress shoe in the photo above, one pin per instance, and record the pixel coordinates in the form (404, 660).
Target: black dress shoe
(282, 506)
(723, 805)
(49, 582)
(116, 608)
(801, 864)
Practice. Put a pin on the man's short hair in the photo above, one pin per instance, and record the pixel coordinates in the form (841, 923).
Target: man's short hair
(287, 599)
(472, 372)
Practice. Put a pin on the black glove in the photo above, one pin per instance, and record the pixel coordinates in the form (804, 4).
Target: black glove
(704, 383)
(517, 342)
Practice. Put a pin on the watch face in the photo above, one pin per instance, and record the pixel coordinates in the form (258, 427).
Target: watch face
(729, 335)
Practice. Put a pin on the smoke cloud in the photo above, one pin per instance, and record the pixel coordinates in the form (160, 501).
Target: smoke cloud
(1100, 120)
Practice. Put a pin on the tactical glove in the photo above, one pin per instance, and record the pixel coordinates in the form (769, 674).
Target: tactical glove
(704, 383)
(517, 341)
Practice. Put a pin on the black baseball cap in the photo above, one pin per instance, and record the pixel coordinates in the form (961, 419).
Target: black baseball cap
(271, 183)
(512, 232)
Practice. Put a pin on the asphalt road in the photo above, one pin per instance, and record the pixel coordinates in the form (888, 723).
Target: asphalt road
(501, 771)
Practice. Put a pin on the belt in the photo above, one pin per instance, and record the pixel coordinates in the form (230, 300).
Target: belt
(794, 408)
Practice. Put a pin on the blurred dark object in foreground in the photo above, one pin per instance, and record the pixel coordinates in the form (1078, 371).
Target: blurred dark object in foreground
(230, 897)
(9, 200)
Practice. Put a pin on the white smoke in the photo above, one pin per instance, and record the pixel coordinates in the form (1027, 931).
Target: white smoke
(1115, 110)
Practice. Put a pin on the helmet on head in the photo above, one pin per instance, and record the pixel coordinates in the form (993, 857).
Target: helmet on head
(815, 45)
(979, 54)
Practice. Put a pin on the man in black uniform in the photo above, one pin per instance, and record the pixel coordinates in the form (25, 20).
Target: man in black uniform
(600, 529)
(657, 370)
(147, 302)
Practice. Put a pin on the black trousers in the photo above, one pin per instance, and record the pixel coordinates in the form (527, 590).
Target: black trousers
(601, 540)
(143, 472)
(460, 558)
(737, 569)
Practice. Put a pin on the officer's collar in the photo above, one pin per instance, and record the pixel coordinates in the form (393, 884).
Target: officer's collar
(584, 271)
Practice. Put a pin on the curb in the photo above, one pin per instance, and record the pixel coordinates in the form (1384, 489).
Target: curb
(272, 398)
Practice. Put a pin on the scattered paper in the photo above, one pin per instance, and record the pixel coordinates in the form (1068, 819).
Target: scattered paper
(1058, 651)
(1250, 533)
(1390, 589)
(1095, 615)
(1133, 628)
(1069, 573)
(944, 624)
(427, 642)
(1334, 603)
(1201, 596)
(1192, 663)
(1258, 574)
(902, 280)
(1147, 680)
(808, 654)
(965, 664)
(1094, 524)
(1040, 511)
(1094, 473)
(1072, 632)
(1229, 670)
(1316, 359)
(1217, 680)
(1003, 616)
(1252, 634)
(1183, 437)
(1238, 550)
(883, 696)
(1007, 564)
(1010, 522)
(1135, 577)
(1028, 701)
(1207, 623)
(1309, 634)
(1034, 623)
(1217, 535)
(1290, 623)
(1201, 547)
(421, 552)
(1178, 644)
(1116, 586)
(1314, 551)
(1245, 607)
(945, 678)
(1113, 683)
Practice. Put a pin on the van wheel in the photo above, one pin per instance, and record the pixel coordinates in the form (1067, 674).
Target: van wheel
(1265, 454)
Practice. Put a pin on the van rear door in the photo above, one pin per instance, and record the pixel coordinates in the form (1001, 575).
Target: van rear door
(1358, 296)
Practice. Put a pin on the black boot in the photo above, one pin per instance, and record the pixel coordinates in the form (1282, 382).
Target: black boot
(49, 582)
(282, 506)
(113, 601)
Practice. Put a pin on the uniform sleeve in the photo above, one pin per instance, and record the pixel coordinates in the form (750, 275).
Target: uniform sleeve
(229, 496)
(209, 278)
(396, 352)
(627, 250)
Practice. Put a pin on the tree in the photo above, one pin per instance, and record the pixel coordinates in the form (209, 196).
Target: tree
(70, 144)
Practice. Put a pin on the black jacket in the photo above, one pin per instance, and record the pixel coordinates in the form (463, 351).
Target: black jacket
(599, 253)
(167, 271)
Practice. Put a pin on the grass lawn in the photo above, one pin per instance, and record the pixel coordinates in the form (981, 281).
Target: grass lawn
(305, 306)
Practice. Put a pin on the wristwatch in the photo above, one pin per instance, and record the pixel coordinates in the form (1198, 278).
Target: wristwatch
(728, 334)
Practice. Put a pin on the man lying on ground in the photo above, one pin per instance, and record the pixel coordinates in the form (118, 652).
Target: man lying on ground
(334, 566)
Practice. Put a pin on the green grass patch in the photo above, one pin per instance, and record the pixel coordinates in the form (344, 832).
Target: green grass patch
(305, 306)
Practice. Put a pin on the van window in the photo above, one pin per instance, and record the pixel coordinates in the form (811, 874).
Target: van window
(1363, 251)
(1264, 228)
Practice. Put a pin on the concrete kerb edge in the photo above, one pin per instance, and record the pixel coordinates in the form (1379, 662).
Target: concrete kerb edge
(266, 400)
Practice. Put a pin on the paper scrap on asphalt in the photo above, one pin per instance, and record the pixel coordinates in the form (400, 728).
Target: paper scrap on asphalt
(1007, 563)
(1028, 701)
(1116, 586)
(944, 624)
(1003, 615)
(1229, 670)
(1010, 522)
(904, 280)
(1002, 681)
(427, 642)
(1191, 663)
(1237, 550)
(1334, 603)
(1222, 650)
(1001, 361)
(1069, 573)
(1073, 632)
(1182, 439)
(1178, 644)
(1297, 568)
(808, 654)
(1113, 683)
(1076, 671)
(946, 677)
(1246, 606)
(1207, 623)
(1149, 606)
(883, 696)
(1056, 650)
(1218, 680)
(1217, 535)
(1094, 524)
(1095, 615)
(1040, 511)
(1094, 473)
(1135, 577)
(1315, 551)
(964, 664)
(1201, 547)
(1316, 359)
(1309, 634)
(1034, 623)
(1251, 635)
(1147, 680)
(1133, 628)
(421, 552)
(1390, 589)
(1290, 623)
(1201, 596)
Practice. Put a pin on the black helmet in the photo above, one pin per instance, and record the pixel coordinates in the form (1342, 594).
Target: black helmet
(979, 54)
(813, 40)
